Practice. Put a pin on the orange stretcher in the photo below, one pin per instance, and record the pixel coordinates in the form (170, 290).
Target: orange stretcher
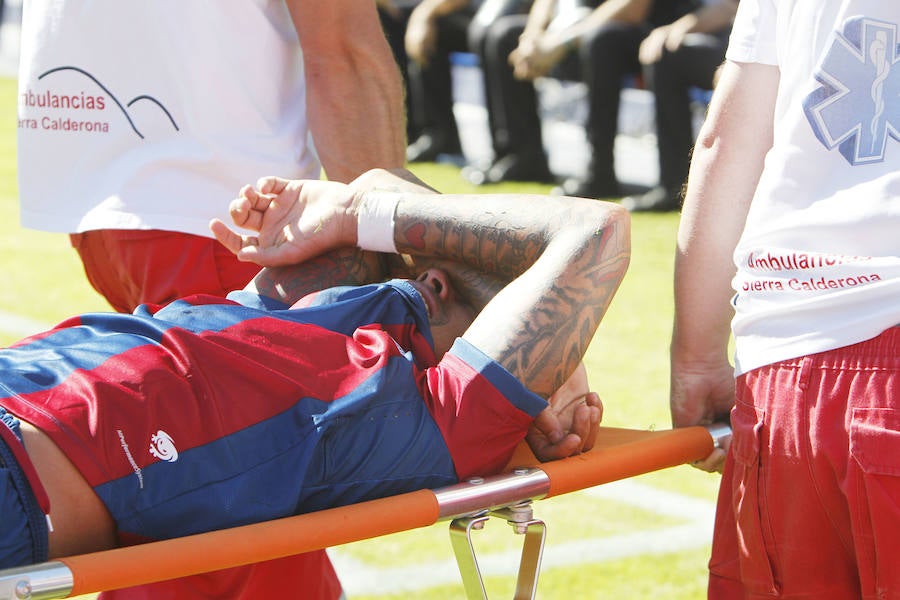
(618, 454)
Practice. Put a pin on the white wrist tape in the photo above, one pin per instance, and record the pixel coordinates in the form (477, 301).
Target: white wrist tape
(375, 222)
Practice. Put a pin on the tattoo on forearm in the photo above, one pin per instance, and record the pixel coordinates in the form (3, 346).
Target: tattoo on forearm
(487, 244)
(556, 331)
(552, 321)
(341, 267)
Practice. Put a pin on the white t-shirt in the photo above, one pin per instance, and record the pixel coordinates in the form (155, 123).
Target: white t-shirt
(152, 115)
(819, 260)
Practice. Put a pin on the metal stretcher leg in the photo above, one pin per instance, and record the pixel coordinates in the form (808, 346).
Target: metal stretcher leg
(520, 517)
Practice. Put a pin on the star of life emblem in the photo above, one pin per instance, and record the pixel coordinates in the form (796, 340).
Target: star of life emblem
(163, 447)
(857, 106)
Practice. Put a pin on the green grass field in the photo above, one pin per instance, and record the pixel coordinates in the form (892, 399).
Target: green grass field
(628, 366)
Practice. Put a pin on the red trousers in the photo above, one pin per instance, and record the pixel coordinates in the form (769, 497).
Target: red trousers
(135, 267)
(132, 267)
(810, 500)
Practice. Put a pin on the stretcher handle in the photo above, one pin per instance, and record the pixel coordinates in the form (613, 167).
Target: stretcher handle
(639, 452)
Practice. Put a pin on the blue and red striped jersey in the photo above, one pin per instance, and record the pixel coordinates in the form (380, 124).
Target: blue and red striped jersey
(210, 413)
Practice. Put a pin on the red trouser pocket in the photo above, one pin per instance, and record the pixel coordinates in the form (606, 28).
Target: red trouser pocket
(875, 448)
(748, 499)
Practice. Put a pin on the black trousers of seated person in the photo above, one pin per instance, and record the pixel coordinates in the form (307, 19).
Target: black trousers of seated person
(604, 58)
(512, 105)
(431, 85)
(694, 64)
(394, 24)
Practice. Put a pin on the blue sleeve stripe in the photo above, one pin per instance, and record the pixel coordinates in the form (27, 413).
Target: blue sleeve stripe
(511, 388)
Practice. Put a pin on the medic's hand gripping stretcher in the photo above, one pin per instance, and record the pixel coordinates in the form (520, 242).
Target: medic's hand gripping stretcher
(618, 454)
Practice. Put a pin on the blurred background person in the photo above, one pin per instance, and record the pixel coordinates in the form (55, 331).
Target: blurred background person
(595, 42)
(394, 16)
(435, 30)
(677, 57)
(512, 108)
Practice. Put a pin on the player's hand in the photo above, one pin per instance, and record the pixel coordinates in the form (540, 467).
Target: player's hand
(294, 220)
(550, 441)
(570, 424)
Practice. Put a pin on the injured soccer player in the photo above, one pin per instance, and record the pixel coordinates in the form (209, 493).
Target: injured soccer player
(396, 339)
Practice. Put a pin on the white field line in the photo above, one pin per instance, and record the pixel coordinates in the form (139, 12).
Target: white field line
(20, 326)
(358, 577)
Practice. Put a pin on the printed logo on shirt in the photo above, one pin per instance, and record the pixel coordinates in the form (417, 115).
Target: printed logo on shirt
(43, 106)
(130, 458)
(163, 447)
(857, 107)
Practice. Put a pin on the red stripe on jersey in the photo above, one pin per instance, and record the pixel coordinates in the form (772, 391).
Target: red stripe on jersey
(480, 426)
(262, 366)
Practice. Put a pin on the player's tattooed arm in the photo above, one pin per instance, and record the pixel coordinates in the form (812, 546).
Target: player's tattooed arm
(561, 261)
(345, 266)
(549, 315)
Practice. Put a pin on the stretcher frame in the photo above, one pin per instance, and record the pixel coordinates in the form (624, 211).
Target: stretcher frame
(618, 454)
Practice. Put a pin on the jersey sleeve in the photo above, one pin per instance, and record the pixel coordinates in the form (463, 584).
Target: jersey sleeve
(482, 411)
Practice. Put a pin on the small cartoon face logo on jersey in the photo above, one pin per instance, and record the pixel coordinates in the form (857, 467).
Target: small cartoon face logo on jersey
(163, 447)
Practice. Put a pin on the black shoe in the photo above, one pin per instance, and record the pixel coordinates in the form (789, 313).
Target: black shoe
(658, 199)
(595, 188)
(477, 173)
(428, 147)
(511, 167)
(587, 188)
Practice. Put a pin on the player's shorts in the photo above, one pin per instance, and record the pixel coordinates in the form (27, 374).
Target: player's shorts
(23, 525)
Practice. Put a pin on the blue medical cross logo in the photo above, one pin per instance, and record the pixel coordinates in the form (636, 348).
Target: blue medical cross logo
(857, 106)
